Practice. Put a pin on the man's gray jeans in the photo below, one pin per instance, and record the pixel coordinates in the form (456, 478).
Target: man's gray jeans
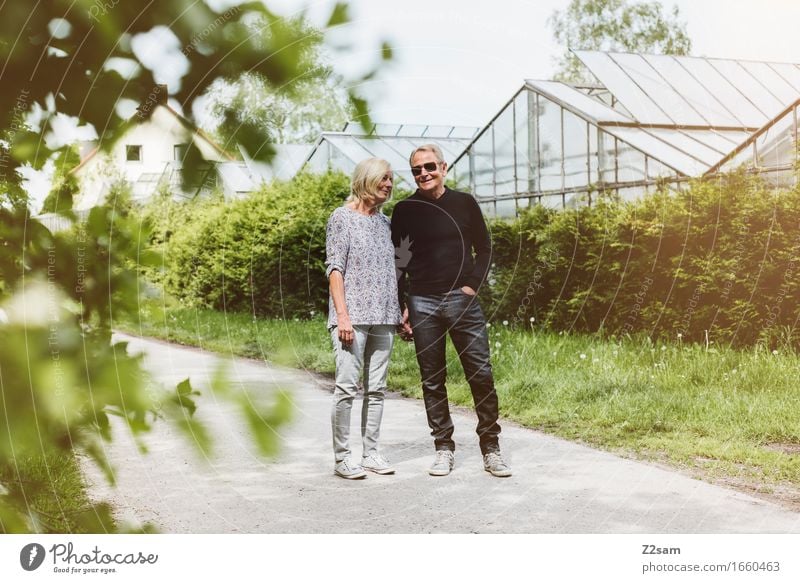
(368, 355)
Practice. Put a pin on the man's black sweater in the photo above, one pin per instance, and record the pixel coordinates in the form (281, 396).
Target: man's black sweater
(434, 242)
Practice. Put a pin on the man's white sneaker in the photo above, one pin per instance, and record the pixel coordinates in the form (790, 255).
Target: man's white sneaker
(443, 463)
(494, 463)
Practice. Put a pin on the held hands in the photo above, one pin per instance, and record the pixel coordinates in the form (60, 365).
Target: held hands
(404, 328)
(468, 290)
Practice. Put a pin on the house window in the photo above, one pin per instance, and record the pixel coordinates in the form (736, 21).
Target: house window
(133, 153)
(179, 152)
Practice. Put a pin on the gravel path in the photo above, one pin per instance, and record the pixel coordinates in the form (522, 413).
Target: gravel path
(557, 487)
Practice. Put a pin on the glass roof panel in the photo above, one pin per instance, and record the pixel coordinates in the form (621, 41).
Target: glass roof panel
(726, 93)
(779, 86)
(789, 72)
(750, 86)
(378, 148)
(403, 147)
(659, 90)
(464, 132)
(386, 129)
(624, 89)
(349, 146)
(686, 144)
(579, 101)
(353, 127)
(723, 142)
(657, 149)
(692, 91)
(437, 131)
(412, 130)
(452, 149)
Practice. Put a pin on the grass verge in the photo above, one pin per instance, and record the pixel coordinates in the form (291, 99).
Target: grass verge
(53, 490)
(722, 414)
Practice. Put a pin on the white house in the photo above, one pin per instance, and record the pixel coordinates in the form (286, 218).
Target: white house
(150, 154)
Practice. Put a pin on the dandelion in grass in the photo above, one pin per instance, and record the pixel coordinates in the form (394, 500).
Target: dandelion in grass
(497, 344)
(583, 356)
(505, 322)
(531, 319)
(775, 352)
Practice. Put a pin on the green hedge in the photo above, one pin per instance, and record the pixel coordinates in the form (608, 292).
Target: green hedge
(264, 254)
(714, 263)
(717, 262)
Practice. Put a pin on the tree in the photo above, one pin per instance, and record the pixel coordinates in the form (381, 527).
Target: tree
(313, 106)
(297, 112)
(64, 185)
(62, 378)
(614, 25)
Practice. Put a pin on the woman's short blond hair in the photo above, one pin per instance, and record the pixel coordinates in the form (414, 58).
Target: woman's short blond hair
(367, 178)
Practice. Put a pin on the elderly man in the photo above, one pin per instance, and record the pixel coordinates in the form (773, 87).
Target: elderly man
(435, 232)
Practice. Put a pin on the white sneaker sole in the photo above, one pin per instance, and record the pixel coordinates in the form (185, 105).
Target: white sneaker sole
(500, 474)
(351, 476)
(379, 471)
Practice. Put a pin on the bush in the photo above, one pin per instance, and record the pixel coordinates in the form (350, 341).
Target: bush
(714, 262)
(717, 261)
(264, 254)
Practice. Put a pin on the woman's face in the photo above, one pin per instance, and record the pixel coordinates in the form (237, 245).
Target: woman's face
(384, 188)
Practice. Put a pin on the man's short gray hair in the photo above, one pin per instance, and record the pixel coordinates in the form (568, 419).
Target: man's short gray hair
(427, 148)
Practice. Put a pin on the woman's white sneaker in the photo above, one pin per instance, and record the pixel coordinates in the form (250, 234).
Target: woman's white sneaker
(346, 469)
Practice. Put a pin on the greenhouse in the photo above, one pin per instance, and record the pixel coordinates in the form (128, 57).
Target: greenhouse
(650, 120)
(392, 142)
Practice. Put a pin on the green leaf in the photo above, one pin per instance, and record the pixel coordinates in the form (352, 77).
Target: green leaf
(183, 398)
(264, 423)
(339, 15)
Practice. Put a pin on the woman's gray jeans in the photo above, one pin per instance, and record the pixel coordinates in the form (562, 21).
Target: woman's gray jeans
(367, 357)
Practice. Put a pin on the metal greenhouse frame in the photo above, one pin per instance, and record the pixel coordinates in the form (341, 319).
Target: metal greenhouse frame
(392, 142)
(652, 120)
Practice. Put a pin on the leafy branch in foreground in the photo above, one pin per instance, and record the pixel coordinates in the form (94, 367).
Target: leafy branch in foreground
(62, 378)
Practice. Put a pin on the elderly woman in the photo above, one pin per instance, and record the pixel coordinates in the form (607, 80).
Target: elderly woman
(363, 313)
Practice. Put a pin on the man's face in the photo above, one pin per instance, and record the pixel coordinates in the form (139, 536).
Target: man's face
(428, 181)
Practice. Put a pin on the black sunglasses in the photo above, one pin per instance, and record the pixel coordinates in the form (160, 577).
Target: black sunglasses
(429, 166)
